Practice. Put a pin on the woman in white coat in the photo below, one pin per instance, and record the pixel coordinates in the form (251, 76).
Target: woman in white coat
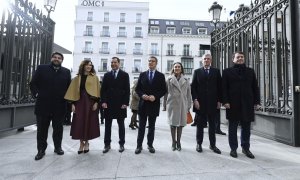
(179, 102)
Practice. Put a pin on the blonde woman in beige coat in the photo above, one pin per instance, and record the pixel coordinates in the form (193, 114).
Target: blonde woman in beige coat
(179, 102)
(134, 106)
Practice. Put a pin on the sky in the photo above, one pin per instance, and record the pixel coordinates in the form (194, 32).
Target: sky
(64, 15)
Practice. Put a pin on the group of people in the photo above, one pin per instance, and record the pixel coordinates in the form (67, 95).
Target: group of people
(53, 89)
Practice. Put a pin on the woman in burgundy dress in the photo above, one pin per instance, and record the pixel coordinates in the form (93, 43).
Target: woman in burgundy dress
(84, 94)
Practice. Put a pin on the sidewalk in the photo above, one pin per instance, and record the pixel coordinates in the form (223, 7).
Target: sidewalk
(273, 160)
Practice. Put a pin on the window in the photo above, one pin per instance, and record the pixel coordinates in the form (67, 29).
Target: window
(169, 22)
(154, 22)
(202, 30)
(104, 48)
(171, 30)
(138, 17)
(186, 50)
(105, 31)
(121, 48)
(122, 32)
(170, 51)
(88, 31)
(188, 65)
(154, 29)
(137, 66)
(122, 64)
(186, 30)
(88, 47)
(199, 24)
(184, 23)
(138, 32)
(154, 49)
(103, 66)
(106, 17)
(122, 17)
(170, 65)
(138, 49)
(90, 16)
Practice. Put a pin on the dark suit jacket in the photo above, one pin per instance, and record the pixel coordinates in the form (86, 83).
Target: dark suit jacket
(240, 90)
(207, 90)
(49, 87)
(157, 88)
(115, 92)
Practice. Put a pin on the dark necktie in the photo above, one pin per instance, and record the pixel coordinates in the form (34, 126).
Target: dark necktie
(151, 76)
(206, 71)
(115, 74)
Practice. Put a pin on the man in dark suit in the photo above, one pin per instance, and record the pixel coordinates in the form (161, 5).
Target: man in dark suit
(115, 92)
(206, 94)
(49, 85)
(240, 97)
(151, 87)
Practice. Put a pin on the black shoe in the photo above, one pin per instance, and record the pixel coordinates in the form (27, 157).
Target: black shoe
(233, 153)
(59, 151)
(151, 149)
(248, 153)
(173, 146)
(102, 121)
(40, 155)
(199, 148)
(121, 149)
(178, 146)
(106, 149)
(138, 150)
(215, 149)
(132, 127)
(194, 124)
(220, 132)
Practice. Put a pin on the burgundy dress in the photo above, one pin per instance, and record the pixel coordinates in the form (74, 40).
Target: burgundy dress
(85, 122)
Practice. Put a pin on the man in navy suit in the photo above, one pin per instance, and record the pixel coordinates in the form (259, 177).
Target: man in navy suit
(115, 93)
(151, 87)
(206, 94)
(49, 85)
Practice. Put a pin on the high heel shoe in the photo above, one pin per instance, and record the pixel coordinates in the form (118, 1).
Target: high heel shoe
(86, 147)
(81, 148)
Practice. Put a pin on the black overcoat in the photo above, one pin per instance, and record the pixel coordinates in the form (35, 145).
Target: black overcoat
(207, 90)
(49, 87)
(240, 90)
(115, 92)
(157, 88)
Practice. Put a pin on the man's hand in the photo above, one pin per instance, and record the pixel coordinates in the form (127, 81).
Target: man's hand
(227, 106)
(145, 97)
(151, 98)
(196, 104)
(123, 106)
(73, 108)
(104, 105)
(218, 105)
(95, 106)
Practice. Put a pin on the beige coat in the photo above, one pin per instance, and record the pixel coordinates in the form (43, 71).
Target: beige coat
(134, 102)
(179, 100)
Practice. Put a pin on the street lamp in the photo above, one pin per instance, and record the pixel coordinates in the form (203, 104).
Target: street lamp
(50, 5)
(215, 11)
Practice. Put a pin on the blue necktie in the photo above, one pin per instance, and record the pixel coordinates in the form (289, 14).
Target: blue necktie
(115, 74)
(151, 76)
(206, 71)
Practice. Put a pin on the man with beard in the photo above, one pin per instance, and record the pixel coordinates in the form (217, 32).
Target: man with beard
(49, 85)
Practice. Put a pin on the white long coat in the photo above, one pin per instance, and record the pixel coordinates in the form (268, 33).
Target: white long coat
(179, 100)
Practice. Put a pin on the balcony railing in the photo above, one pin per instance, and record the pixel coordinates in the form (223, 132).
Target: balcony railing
(170, 53)
(137, 51)
(88, 33)
(121, 51)
(104, 51)
(104, 34)
(154, 52)
(87, 50)
(136, 70)
(138, 35)
(186, 53)
(122, 34)
(188, 70)
(102, 69)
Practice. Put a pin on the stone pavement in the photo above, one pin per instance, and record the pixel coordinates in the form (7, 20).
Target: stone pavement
(273, 160)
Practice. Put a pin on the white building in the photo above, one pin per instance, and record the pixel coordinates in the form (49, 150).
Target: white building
(104, 29)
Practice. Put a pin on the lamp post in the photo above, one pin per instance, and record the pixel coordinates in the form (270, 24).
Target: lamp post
(215, 11)
(50, 6)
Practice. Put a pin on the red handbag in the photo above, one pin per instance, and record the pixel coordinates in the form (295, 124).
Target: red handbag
(189, 118)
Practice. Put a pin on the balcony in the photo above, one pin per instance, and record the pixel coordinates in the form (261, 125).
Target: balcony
(88, 33)
(122, 34)
(136, 70)
(154, 52)
(186, 53)
(104, 51)
(121, 51)
(87, 50)
(188, 70)
(170, 53)
(200, 53)
(137, 51)
(104, 34)
(138, 35)
(89, 19)
(102, 69)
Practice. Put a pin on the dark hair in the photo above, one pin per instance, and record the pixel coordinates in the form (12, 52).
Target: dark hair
(153, 58)
(83, 64)
(57, 53)
(182, 70)
(116, 58)
(237, 52)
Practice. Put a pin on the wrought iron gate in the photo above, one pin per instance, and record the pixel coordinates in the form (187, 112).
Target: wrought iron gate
(26, 38)
(264, 33)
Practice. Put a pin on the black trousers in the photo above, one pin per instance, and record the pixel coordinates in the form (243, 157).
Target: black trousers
(43, 123)
(142, 128)
(218, 120)
(107, 134)
(201, 121)
(245, 134)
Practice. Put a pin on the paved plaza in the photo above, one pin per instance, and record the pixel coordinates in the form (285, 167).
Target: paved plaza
(273, 159)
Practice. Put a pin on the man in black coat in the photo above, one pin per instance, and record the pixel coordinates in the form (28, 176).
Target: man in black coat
(151, 87)
(206, 94)
(49, 85)
(240, 98)
(115, 93)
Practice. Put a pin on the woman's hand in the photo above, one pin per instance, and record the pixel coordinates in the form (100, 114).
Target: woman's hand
(95, 106)
(73, 108)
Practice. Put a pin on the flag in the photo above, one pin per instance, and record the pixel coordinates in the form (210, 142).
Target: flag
(231, 13)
